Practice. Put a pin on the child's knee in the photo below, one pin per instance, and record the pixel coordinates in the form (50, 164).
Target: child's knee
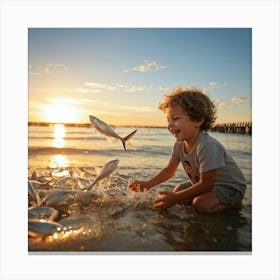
(199, 205)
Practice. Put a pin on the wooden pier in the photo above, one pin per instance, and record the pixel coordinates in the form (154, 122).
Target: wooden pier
(241, 128)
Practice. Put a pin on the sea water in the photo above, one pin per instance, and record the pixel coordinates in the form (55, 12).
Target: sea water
(122, 220)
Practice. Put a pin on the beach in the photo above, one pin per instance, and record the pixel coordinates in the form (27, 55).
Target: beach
(117, 219)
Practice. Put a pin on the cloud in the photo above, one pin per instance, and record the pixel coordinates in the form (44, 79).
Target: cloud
(219, 103)
(215, 85)
(238, 100)
(138, 109)
(76, 90)
(100, 86)
(97, 87)
(55, 68)
(149, 65)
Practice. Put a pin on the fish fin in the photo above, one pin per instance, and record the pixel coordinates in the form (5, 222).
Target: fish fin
(125, 139)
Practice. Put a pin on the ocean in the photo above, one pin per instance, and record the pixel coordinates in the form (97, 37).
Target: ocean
(119, 220)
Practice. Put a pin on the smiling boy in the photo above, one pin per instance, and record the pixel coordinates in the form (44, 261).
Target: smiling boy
(215, 180)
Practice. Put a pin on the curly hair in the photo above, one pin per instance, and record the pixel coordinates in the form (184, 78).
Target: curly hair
(195, 103)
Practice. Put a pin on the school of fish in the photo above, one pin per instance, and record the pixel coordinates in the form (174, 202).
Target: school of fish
(46, 194)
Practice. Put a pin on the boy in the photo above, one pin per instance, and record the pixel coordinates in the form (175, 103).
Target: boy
(215, 181)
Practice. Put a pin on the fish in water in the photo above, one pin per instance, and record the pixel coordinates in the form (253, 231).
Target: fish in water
(42, 212)
(106, 130)
(33, 194)
(88, 196)
(57, 197)
(41, 228)
(67, 183)
(107, 169)
(36, 184)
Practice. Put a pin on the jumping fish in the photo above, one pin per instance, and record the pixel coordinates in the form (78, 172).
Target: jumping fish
(41, 228)
(105, 129)
(107, 169)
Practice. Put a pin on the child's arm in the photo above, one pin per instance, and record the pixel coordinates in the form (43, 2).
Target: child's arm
(165, 174)
(205, 184)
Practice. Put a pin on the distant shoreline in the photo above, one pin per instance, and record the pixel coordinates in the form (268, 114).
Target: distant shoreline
(87, 125)
(237, 127)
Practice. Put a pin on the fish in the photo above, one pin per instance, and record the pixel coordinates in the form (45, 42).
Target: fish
(67, 183)
(88, 196)
(107, 169)
(41, 228)
(42, 212)
(106, 130)
(57, 197)
(33, 194)
(36, 184)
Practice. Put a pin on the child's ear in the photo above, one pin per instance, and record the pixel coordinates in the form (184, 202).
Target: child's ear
(198, 123)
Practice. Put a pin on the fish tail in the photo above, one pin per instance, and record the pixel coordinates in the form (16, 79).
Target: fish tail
(127, 138)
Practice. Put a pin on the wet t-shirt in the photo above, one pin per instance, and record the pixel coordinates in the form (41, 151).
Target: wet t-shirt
(208, 154)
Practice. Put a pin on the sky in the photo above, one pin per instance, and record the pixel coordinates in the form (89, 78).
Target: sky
(121, 74)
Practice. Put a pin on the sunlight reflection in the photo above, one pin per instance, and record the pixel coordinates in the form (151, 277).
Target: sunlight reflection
(58, 136)
(57, 161)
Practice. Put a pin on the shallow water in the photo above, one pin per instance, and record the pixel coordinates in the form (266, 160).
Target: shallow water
(122, 220)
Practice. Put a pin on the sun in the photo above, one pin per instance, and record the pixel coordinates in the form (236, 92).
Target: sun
(60, 113)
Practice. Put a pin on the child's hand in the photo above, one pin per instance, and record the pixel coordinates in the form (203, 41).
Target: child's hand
(138, 186)
(167, 201)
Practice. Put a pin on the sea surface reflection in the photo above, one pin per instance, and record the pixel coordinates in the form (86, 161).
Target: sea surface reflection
(58, 136)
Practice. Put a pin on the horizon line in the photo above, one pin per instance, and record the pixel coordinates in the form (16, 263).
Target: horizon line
(37, 123)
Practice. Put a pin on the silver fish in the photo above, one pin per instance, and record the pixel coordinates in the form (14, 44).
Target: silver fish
(105, 129)
(36, 184)
(67, 183)
(33, 194)
(107, 169)
(41, 228)
(42, 212)
(57, 197)
(88, 196)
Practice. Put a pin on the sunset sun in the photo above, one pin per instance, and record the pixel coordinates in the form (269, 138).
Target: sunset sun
(61, 113)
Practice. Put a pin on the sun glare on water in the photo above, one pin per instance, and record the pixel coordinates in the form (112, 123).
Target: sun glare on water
(58, 136)
(59, 160)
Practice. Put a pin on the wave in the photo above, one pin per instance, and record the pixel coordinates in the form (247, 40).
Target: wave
(142, 152)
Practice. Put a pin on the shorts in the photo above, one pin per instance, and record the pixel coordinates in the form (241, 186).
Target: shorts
(226, 195)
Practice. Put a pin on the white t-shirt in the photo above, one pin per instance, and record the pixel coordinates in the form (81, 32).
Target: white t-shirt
(208, 154)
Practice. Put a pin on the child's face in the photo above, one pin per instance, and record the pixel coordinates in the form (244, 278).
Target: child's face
(180, 125)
